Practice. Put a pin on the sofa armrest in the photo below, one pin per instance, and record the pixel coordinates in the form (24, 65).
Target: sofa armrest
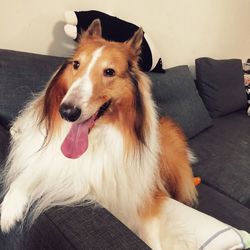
(80, 227)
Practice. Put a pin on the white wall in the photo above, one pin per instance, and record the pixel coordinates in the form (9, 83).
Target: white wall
(182, 30)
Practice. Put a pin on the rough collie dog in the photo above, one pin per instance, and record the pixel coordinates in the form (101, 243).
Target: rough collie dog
(94, 134)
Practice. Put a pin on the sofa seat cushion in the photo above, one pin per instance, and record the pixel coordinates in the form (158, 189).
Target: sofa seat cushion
(223, 208)
(21, 76)
(177, 97)
(223, 156)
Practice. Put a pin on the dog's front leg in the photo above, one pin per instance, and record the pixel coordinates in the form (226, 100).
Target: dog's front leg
(13, 208)
(149, 231)
(15, 202)
(168, 229)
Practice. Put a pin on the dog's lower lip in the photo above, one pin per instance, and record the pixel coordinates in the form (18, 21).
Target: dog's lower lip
(88, 118)
(102, 109)
(98, 113)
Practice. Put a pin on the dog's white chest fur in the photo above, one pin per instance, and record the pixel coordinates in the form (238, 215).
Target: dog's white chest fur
(105, 172)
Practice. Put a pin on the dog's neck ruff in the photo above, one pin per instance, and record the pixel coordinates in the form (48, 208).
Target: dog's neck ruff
(118, 177)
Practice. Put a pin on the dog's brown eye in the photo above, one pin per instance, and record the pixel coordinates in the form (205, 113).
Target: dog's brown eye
(76, 64)
(109, 72)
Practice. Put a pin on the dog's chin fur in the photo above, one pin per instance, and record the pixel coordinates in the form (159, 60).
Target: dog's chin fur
(132, 164)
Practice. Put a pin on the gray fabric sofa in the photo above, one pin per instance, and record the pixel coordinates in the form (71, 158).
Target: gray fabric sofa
(220, 143)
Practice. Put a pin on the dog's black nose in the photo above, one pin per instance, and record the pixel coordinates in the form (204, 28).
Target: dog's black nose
(69, 112)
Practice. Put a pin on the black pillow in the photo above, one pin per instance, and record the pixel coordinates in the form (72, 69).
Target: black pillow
(177, 97)
(119, 30)
(221, 85)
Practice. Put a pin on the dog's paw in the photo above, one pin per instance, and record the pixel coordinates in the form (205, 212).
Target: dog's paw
(12, 209)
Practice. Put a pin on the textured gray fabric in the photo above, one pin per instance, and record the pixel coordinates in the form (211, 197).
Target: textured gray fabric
(21, 76)
(223, 208)
(44, 235)
(221, 85)
(75, 228)
(177, 97)
(92, 227)
(4, 144)
(223, 153)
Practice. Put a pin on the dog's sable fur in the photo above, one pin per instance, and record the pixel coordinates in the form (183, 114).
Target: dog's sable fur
(133, 162)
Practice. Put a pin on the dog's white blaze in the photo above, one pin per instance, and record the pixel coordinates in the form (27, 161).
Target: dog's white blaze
(82, 89)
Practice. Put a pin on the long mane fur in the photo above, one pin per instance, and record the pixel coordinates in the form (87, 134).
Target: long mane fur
(35, 152)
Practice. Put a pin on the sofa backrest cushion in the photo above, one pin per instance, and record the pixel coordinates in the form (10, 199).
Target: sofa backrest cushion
(221, 85)
(21, 76)
(24, 74)
(4, 145)
(176, 96)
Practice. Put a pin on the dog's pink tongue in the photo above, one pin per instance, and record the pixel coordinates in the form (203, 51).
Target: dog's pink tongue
(76, 141)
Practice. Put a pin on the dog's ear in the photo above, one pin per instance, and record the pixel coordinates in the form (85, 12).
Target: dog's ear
(135, 42)
(51, 100)
(94, 30)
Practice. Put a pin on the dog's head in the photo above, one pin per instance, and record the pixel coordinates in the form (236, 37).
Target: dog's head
(98, 84)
